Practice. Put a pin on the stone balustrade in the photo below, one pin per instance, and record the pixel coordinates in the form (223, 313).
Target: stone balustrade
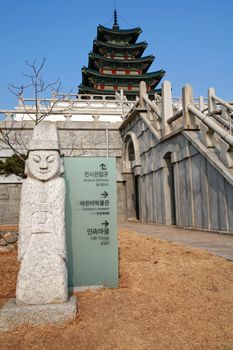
(167, 115)
(70, 107)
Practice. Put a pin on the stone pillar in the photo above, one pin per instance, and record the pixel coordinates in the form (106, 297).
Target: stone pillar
(189, 120)
(42, 285)
(42, 277)
(166, 106)
(211, 102)
(201, 103)
(142, 92)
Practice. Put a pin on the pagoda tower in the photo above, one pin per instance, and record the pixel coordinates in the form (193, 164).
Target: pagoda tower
(116, 63)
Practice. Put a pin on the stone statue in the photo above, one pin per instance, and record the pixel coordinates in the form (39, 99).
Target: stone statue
(42, 278)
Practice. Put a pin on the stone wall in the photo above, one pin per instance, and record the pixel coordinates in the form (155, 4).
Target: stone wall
(121, 201)
(85, 139)
(9, 203)
(203, 198)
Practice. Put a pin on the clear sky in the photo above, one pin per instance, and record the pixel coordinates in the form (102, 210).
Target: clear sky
(192, 40)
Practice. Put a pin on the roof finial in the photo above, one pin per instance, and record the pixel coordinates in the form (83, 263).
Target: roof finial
(115, 25)
(115, 17)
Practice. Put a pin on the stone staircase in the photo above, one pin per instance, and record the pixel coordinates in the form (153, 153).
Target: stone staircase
(188, 153)
(214, 130)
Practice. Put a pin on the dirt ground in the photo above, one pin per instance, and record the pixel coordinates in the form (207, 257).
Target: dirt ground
(169, 297)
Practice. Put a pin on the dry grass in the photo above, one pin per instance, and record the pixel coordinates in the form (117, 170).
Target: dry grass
(170, 297)
(8, 274)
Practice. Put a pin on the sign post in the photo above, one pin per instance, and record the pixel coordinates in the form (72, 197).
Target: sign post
(91, 221)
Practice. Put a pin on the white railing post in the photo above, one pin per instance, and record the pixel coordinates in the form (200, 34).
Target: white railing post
(142, 92)
(201, 103)
(211, 101)
(189, 120)
(167, 110)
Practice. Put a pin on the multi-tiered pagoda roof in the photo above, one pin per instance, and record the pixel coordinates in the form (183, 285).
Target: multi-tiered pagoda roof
(116, 63)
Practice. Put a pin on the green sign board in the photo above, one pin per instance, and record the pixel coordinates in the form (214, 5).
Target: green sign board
(91, 221)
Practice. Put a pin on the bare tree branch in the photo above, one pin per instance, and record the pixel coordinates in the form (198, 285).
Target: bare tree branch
(15, 138)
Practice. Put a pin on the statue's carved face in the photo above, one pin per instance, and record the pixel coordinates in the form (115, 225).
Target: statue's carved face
(43, 165)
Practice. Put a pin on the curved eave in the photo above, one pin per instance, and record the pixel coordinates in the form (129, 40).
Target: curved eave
(116, 46)
(132, 34)
(147, 61)
(140, 77)
(89, 90)
(137, 60)
(120, 31)
(139, 46)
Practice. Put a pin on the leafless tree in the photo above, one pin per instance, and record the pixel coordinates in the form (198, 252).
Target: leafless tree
(15, 137)
(42, 107)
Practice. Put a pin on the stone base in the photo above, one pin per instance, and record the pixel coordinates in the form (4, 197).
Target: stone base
(12, 315)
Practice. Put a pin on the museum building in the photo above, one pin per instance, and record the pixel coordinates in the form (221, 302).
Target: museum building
(116, 63)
